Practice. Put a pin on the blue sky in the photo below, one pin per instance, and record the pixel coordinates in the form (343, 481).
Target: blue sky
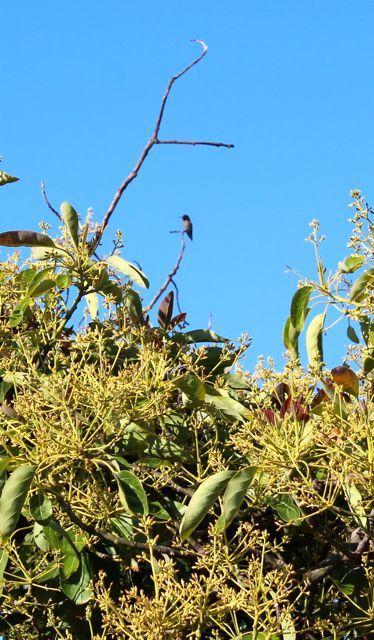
(289, 83)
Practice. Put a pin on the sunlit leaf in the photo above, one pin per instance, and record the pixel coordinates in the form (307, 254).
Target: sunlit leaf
(235, 492)
(346, 378)
(70, 218)
(130, 270)
(314, 344)
(132, 494)
(13, 497)
(40, 507)
(202, 501)
(366, 280)
(286, 507)
(6, 178)
(299, 305)
(203, 335)
(25, 239)
(351, 263)
(165, 311)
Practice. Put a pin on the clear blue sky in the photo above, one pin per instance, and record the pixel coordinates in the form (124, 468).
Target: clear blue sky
(289, 82)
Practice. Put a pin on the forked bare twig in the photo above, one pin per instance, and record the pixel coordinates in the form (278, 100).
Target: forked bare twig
(154, 140)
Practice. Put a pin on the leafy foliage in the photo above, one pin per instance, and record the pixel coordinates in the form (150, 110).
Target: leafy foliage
(152, 489)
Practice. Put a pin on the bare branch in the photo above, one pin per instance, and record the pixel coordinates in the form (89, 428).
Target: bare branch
(47, 201)
(196, 143)
(153, 140)
(169, 279)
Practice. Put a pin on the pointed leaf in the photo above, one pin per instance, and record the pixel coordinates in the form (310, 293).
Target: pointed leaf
(77, 586)
(221, 401)
(13, 497)
(235, 492)
(5, 178)
(286, 507)
(165, 311)
(202, 500)
(132, 494)
(291, 338)
(129, 270)
(314, 341)
(134, 307)
(40, 507)
(63, 280)
(203, 335)
(25, 239)
(346, 378)
(351, 263)
(192, 387)
(70, 219)
(299, 305)
(362, 283)
(93, 304)
(352, 335)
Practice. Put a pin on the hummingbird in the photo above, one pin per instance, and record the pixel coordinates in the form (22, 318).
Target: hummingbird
(187, 225)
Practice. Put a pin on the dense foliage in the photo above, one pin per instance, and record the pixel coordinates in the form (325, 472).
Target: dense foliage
(151, 488)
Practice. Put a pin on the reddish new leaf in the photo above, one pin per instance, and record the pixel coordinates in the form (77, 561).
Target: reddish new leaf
(25, 239)
(165, 311)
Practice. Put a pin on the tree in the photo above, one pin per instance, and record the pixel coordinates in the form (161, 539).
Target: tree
(150, 487)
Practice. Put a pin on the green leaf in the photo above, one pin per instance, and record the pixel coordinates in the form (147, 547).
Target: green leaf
(235, 492)
(40, 538)
(123, 525)
(132, 494)
(40, 507)
(70, 219)
(167, 449)
(3, 563)
(134, 307)
(70, 564)
(355, 502)
(202, 500)
(236, 381)
(92, 301)
(286, 507)
(192, 387)
(13, 498)
(291, 339)
(5, 178)
(358, 291)
(77, 586)
(220, 400)
(43, 287)
(352, 335)
(129, 270)
(19, 312)
(25, 239)
(299, 305)
(288, 627)
(63, 280)
(351, 263)
(203, 335)
(314, 345)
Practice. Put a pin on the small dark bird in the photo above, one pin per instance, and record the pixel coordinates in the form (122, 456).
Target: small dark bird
(187, 225)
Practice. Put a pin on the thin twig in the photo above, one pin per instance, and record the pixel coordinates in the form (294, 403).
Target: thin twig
(176, 295)
(112, 538)
(47, 201)
(153, 140)
(170, 276)
(195, 143)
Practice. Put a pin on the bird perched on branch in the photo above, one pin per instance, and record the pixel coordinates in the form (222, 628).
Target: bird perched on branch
(187, 225)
